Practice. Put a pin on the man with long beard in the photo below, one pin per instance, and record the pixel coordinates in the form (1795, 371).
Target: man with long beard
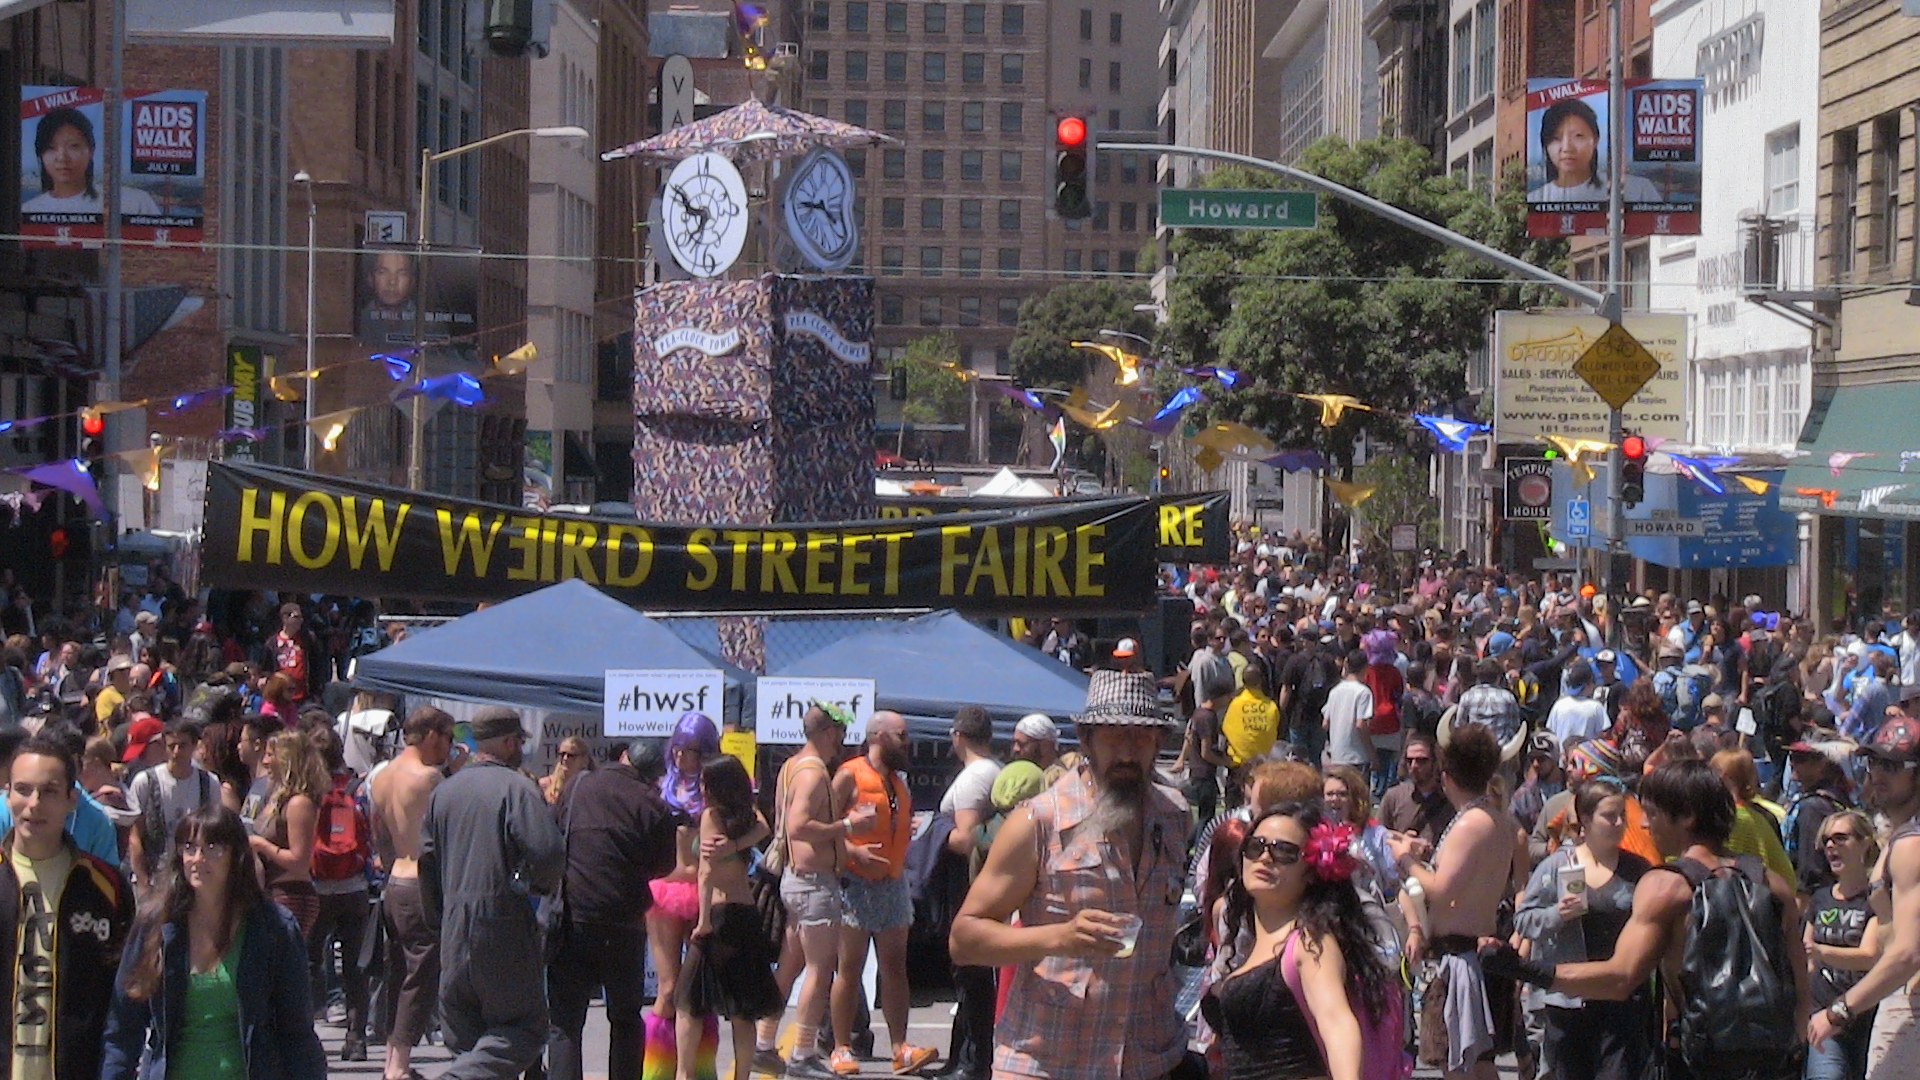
(1094, 868)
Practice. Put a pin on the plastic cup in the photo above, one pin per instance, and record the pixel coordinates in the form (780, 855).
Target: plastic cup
(1129, 936)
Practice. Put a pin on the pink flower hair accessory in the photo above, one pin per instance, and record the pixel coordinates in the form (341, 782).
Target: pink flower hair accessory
(1330, 851)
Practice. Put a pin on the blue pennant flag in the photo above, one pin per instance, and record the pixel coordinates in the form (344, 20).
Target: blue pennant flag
(1701, 471)
(1452, 434)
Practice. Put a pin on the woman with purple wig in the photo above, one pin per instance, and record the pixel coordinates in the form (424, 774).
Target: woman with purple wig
(676, 897)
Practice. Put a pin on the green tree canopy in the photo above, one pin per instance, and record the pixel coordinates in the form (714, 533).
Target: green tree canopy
(935, 392)
(1358, 305)
(1076, 311)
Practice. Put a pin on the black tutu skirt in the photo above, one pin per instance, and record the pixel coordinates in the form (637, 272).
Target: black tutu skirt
(730, 971)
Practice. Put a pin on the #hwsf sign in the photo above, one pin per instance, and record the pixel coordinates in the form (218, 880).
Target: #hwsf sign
(780, 707)
(647, 704)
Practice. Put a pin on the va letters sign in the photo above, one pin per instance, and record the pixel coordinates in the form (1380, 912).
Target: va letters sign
(647, 704)
(780, 705)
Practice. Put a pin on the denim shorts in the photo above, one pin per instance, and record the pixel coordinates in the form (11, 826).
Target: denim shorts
(812, 898)
(874, 907)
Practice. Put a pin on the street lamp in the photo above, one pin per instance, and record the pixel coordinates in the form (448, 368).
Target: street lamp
(313, 386)
(417, 414)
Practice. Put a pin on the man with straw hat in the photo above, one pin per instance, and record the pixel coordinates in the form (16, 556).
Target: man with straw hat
(1094, 868)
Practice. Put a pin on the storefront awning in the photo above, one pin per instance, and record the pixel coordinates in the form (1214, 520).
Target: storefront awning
(1862, 454)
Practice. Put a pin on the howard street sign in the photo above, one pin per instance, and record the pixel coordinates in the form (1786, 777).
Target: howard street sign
(1210, 208)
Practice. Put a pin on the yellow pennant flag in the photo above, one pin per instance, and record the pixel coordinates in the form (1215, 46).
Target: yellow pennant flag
(287, 387)
(1128, 363)
(146, 463)
(328, 427)
(518, 360)
(1084, 413)
(1753, 484)
(1576, 450)
(1350, 495)
(1333, 405)
(1230, 436)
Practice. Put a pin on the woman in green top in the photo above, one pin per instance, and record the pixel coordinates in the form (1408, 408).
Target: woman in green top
(213, 983)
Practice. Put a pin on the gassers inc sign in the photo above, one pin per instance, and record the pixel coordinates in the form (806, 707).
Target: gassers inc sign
(1537, 392)
(647, 704)
(781, 703)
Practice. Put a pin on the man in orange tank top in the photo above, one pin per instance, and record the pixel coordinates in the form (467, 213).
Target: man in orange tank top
(879, 906)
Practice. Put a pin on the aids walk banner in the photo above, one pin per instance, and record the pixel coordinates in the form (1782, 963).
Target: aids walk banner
(164, 166)
(1188, 528)
(161, 162)
(1568, 157)
(286, 530)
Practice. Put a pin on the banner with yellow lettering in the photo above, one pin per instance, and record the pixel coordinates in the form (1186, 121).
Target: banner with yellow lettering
(1190, 527)
(282, 529)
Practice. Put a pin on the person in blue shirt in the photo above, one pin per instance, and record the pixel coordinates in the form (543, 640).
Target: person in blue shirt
(92, 830)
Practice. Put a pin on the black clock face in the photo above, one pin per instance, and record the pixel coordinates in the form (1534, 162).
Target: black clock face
(820, 210)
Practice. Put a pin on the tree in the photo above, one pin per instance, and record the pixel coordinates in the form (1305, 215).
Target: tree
(1358, 305)
(935, 392)
(1077, 311)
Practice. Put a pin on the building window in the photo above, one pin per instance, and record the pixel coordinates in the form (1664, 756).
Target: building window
(1129, 262)
(1100, 216)
(935, 67)
(969, 262)
(933, 116)
(969, 311)
(1086, 24)
(896, 18)
(1100, 263)
(1010, 116)
(1010, 165)
(821, 17)
(857, 17)
(894, 116)
(1129, 217)
(1113, 77)
(936, 18)
(973, 116)
(893, 164)
(1012, 69)
(1009, 262)
(933, 164)
(893, 261)
(819, 64)
(1113, 119)
(1013, 20)
(930, 313)
(1009, 215)
(1783, 171)
(933, 213)
(1086, 73)
(1483, 166)
(973, 67)
(970, 214)
(1102, 168)
(931, 261)
(1846, 198)
(1463, 64)
(973, 18)
(857, 157)
(1070, 261)
(1483, 48)
(893, 212)
(1886, 189)
(1129, 168)
(896, 67)
(857, 112)
(972, 165)
(1009, 310)
(893, 309)
(1113, 28)
(857, 66)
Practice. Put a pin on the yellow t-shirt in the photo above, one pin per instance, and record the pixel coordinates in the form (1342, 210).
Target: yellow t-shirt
(1754, 834)
(41, 883)
(1251, 727)
(103, 706)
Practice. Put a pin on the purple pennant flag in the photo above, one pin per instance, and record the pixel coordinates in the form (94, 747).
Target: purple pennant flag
(459, 388)
(238, 434)
(1022, 395)
(189, 402)
(1295, 460)
(22, 425)
(72, 477)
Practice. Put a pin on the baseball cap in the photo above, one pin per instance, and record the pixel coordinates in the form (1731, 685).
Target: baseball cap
(146, 617)
(139, 733)
(1834, 749)
(1694, 607)
(1605, 656)
(1897, 740)
(1038, 726)
(1543, 744)
(1126, 647)
(119, 662)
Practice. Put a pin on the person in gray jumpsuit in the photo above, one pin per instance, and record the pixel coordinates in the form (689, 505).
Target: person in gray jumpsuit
(487, 846)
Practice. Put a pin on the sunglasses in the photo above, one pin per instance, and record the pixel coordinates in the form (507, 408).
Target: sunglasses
(1840, 838)
(1259, 849)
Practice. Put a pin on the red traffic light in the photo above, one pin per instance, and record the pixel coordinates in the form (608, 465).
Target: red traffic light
(57, 543)
(1071, 131)
(92, 423)
(1633, 447)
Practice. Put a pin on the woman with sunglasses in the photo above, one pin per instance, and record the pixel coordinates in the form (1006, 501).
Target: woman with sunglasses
(1843, 941)
(1576, 904)
(213, 984)
(576, 757)
(1301, 982)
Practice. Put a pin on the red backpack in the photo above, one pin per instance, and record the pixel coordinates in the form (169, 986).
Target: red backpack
(343, 841)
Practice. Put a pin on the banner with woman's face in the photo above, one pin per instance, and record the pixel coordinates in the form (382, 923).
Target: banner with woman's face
(1569, 153)
(60, 162)
(65, 164)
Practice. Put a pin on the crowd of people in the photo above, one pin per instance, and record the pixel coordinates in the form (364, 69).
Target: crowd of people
(1435, 820)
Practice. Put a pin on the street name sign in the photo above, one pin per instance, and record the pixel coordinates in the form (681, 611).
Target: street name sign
(1616, 366)
(1673, 527)
(1212, 208)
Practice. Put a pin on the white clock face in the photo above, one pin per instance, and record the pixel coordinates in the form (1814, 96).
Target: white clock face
(819, 210)
(703, 214)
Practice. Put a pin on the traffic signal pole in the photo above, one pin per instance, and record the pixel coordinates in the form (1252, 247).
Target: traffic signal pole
(1615, 301)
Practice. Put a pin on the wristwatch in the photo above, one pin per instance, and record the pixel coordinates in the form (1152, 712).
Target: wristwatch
(1840, 1013)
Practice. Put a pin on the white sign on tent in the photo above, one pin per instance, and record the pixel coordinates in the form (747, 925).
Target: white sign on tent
(647, 704)
(781, 704)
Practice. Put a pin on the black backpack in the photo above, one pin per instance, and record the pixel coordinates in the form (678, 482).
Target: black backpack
(1736, 994)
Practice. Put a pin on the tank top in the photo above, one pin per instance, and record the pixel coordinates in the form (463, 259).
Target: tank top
(892, 827)
(1264, 1033)
(1841, 923)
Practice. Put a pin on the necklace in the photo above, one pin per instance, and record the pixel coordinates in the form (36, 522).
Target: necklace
(1476, 804)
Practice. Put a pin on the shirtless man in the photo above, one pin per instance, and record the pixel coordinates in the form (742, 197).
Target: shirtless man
(1893, 788)
(1690, 818)
(816, 834)
(400, 794)
(1474, 867)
